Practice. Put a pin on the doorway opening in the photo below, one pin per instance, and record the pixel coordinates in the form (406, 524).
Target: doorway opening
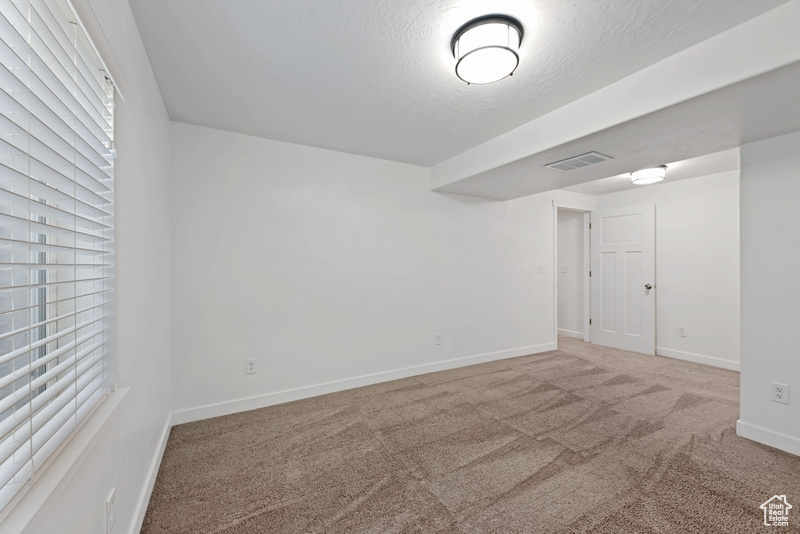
(572, 257)
(604, 283)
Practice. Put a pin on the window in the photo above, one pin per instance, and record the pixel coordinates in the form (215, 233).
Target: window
(56, 234)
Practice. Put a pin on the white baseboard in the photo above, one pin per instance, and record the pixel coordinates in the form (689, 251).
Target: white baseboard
(279, 397)
(698, 358)
(768, 437)
(152, 473)
(570, 333)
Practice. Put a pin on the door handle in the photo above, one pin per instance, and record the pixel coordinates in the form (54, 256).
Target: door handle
(648, 286)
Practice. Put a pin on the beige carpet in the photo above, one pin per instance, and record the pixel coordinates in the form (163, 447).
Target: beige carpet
(583, 439)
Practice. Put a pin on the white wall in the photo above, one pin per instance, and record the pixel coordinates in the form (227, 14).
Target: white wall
(330, 267)
(697, 265)
(770, 191)
(125, 451)
(570, 283)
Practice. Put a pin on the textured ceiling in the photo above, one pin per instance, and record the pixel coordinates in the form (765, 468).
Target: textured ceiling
(375, 77)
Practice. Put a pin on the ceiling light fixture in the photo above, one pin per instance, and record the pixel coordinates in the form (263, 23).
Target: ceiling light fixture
(649, 176)
(486, 49)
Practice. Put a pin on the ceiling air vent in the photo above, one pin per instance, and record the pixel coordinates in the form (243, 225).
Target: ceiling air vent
(590, 158)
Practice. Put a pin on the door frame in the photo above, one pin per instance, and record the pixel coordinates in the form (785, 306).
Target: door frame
(586, 207)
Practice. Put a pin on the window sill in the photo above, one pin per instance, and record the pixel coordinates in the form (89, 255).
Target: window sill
(38, 491)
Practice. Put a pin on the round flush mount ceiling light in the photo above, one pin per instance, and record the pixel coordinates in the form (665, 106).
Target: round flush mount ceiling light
(486, 49)
(649, 176)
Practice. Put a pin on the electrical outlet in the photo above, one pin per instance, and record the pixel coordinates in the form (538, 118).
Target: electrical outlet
(541, 269)
(565, 269)
(110, 515)
(681, 331)
(250, 366)
(780, 393)
(437, 338)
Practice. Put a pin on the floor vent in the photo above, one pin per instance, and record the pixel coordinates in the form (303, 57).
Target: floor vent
(590, 158)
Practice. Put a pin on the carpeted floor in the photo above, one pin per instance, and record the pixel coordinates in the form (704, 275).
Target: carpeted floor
(583, 439)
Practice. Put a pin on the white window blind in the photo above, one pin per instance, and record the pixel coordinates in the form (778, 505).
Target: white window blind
(56, 234)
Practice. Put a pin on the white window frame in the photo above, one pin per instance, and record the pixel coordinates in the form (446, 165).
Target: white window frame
(56, 254)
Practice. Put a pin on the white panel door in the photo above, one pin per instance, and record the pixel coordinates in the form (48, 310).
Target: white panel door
(623, 278)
